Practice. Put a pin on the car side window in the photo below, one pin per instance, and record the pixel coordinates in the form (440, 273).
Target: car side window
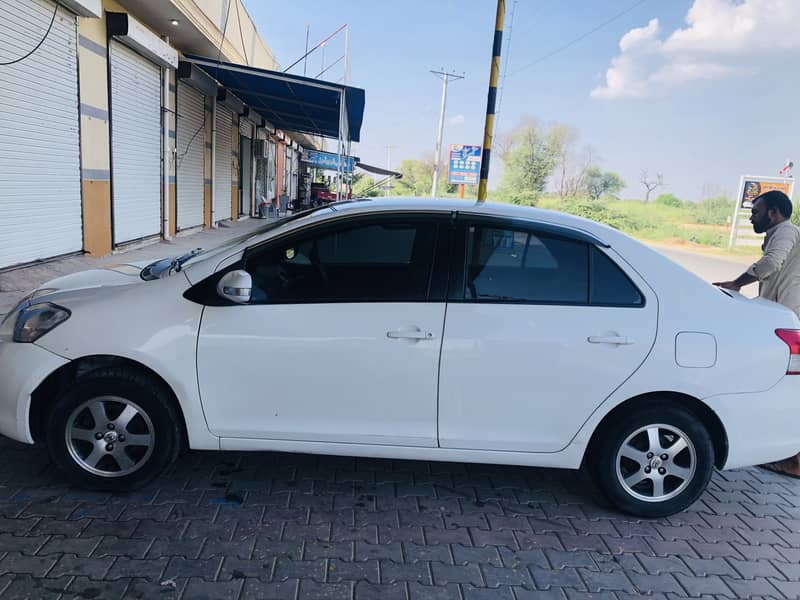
(529, 267)
(609, 285)
(510, 265)
(387, 260)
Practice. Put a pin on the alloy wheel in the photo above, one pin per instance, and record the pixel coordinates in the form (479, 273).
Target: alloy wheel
(110, 436)
(656, 463)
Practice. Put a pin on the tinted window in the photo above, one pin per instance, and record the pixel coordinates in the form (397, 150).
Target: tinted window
(389, 261)
(520, 266)
(610, 285)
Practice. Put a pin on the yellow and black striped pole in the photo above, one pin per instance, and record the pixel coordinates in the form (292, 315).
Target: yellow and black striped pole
(488, 131)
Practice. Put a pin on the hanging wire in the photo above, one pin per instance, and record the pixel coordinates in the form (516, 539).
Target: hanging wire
(180, 157)
(505, 69)
(580, 38)
(37, 46)
(241, 34)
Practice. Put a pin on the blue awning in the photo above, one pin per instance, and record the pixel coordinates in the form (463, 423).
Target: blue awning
(290, 102)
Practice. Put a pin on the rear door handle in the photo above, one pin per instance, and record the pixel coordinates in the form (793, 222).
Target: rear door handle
(616, 340)
(409, 335)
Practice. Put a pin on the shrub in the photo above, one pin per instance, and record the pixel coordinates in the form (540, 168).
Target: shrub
(523, 198)
(601, 212)
(669, 200)
(713, 211)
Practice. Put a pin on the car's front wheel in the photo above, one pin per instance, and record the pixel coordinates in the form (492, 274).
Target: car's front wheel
(114, 429)
(654, 462)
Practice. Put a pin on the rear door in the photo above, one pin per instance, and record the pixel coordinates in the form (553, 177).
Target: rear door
(541, 328)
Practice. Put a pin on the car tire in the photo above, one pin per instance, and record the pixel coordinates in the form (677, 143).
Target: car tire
(654, 462)
(114, 429)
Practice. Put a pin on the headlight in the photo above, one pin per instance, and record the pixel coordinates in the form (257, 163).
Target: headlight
(36, 320)
(24, 302)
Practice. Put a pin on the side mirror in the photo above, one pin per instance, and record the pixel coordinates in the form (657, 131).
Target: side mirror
(236, 286)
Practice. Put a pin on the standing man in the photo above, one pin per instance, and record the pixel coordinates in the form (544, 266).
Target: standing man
(777, 272)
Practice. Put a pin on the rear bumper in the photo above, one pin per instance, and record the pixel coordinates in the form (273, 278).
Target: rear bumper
(22, 368)
(761, 427)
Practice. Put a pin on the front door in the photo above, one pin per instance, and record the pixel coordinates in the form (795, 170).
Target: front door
(540, 330)
(340, 342)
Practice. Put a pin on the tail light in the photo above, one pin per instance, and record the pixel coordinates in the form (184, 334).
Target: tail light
(792, 339)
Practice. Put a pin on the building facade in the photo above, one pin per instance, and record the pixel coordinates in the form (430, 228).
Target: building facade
(109, 139)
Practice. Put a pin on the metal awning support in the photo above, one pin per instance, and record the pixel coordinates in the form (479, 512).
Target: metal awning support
(379, 171)
(294, 103)
(291, 102)
(341, 146)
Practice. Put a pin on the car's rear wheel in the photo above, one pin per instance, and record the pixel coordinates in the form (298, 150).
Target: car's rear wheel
(654, 462)
(114, 429)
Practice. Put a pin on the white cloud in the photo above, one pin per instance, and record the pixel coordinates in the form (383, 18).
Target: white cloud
(457, 120)
(721, 39)
(627, 76)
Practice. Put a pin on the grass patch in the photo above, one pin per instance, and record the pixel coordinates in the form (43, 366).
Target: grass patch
(667, 220)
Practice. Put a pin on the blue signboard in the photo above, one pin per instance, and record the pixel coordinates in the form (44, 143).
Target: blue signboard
(328, 160)
(465, 164)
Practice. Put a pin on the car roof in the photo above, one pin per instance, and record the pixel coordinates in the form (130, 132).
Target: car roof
(494, 209)
(590, 231)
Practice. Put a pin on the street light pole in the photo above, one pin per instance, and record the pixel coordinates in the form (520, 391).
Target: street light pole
(446, 78)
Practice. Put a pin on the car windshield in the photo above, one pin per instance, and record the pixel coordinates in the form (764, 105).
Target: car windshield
(166, 266)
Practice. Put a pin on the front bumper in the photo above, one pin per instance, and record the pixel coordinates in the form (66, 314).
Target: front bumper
(22, 368)
(761, 427)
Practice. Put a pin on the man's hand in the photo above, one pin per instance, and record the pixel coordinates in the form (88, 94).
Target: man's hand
(728, 285)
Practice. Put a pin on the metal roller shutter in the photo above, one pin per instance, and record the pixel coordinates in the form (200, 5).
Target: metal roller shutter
(222, 164)
(135, 144)
(191, 142)
(40, 183)
(246, 128)
(245, 166)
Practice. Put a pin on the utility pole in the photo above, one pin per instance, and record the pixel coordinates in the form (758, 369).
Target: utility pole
(494, 72)
(388, 168)
(446, 78)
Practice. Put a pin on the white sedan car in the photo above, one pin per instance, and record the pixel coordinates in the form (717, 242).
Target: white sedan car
(420, 329)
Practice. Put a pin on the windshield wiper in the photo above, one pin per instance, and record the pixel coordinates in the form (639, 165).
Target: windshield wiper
(177, 263)
(157, 269)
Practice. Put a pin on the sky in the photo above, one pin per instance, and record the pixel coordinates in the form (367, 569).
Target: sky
(702, 91)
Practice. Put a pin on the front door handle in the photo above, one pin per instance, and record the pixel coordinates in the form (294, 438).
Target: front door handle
(409, 335)
(616, 340)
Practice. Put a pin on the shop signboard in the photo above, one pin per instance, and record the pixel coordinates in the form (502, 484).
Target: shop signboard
(328, 161)
(464, 164)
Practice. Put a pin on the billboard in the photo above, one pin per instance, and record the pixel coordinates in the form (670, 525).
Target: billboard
(752, 187)
(464, 164)
(327, 160)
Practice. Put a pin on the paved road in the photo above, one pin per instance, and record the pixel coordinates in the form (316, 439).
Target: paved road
(709, 267)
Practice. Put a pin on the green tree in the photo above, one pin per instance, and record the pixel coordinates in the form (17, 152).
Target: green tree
(599, 183)
(417, 179)
(530, 154)
(362, 184)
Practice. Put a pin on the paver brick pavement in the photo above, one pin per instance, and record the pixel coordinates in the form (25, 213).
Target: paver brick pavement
(264, 525)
